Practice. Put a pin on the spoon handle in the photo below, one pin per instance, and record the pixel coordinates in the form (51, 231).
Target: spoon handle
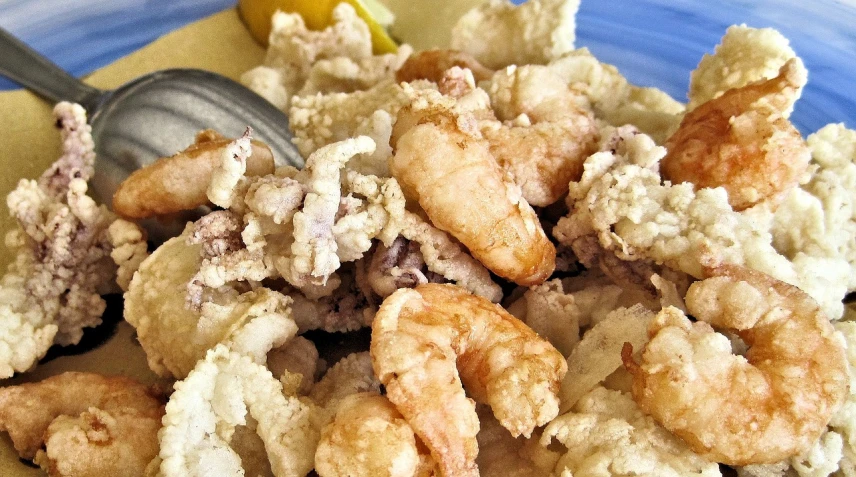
(27, 67)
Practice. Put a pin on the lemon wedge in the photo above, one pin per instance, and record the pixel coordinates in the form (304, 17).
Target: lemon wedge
(318, 14)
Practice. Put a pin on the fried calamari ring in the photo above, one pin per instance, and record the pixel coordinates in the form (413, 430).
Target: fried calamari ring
(222, 392)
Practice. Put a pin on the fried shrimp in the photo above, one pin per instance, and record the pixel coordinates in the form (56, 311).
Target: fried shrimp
(548, 131)
(442, 161)
(369, 437)
(177, 183)
(742, 141)
(766, 407)
(428, 340)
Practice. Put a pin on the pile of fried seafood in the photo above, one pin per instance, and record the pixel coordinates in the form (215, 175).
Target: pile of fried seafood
(560, 273)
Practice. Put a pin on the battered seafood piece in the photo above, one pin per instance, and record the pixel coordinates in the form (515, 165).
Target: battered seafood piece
(766, 407)
(606, 434)
(342, 74)
(623, 205)
(294, 48)
(431, 65)
(369, 438)
(222, 392)
(499, 33)
(88, 424)
(129, 250)
(818, 219)
(744, 55)
(50, 293)
(313, 254)
(551, 313)
(176, 336)
(445, 256)
(429, 340)
(318, 120)
(398, 266)
(177, 183)
(742, 141)
(441, 159)
(547, 131)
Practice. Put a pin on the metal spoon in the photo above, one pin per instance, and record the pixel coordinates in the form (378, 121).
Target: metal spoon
(153, 116)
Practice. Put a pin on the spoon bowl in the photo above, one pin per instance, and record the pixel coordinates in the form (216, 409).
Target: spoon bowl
(153, 116)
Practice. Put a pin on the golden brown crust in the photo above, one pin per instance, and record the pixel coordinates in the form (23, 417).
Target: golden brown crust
(177, 183)
(741, 141)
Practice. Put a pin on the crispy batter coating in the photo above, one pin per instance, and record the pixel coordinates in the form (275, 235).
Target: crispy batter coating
(606, 434)
(547, 131)
(88, 424)
(318, 120)
(818, 219)
(345, 75)
(220, 394)
(499, 33)
(770, 405)
(296, 363)
(293, 49)
(351, 375)
(617, 101)
(49, 293)
(743, 56)
(598, 354)
(177, 183)
(99, 443)
(368, 437)
(176, 336)
(551, 313)
(441, 161)
(742, 141)
(129, 249)
(313, 255)
(500, 453)
(431, 65)
(622, 201)
(429, 340)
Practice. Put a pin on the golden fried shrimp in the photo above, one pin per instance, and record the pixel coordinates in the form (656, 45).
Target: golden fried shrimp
(547, 133)
(428, 340)
(432, 64)
(27, 410)
(177, 183)
(369, 437)
(743, 141)
(442, 161)
(773, 403)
